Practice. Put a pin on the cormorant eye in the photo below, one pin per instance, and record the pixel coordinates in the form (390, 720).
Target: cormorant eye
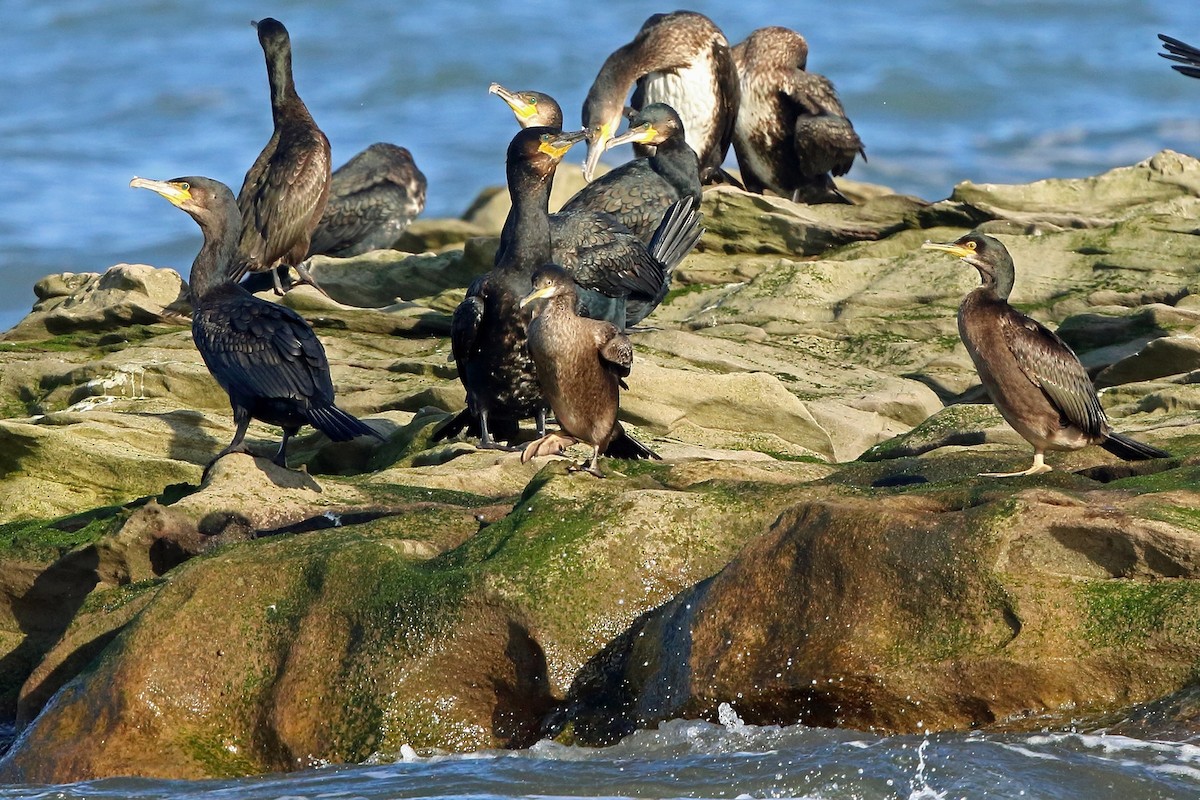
(531, 100)
(185, 186)
(971, 245)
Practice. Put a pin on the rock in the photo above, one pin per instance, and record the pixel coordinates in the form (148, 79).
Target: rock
(1159, 358)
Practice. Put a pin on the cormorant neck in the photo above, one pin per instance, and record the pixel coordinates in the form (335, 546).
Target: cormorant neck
(525, 239)
(1000, 280)
(283, 87)
(211, 268)
(676, 161)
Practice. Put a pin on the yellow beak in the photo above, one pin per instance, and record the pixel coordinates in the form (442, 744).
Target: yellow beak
(548, 290)
(953, 248)
(172, 191)
(640, 134)
(519, 107)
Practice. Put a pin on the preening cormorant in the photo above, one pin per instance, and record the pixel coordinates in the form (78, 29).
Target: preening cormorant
(532, 109)
(264, 355)
(681, 59)
(1031, 375)
(285, 191)
(791, 131)
(488, 332)
(1182, 52)
(372, 198)
(581, 366)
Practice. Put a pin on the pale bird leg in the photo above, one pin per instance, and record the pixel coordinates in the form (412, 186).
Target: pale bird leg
(1039, 466)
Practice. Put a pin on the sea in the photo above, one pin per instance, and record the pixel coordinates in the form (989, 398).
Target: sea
(95, 92)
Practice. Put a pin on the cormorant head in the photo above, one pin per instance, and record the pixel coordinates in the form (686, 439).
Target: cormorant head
(549, 281)
(985, 254)
(541, 148)
(601, 117)
(654, 124)
(532, 109)
(777, 46)
(203, 198)
(272, 35)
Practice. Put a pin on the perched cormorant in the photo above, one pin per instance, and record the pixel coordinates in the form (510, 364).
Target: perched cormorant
(581, 366)
(532, 109)
(264, 355)
(1182, 52)
(681, 59)
(488, 332)
(791, 131)
(285, 191)
(639, 192)
(372, 199)
(1032, 376)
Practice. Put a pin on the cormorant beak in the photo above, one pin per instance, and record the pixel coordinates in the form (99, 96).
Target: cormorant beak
(176, 193)
(642, 134)
(597, 139)
(519, 107)
(561, 143)
(549, 290)
(953, 248)
(254, 24)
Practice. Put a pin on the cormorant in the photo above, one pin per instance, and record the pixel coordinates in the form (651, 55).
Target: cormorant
(488, 332)
(1031, 375)
(285, 191)
(581, 366)
(532, 109)
(372, 198)
(681, 59)
(791, 130)
(264, 355)
(639, 192)
(1182, 52)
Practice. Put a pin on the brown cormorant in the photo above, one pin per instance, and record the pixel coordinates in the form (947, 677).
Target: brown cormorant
(638, 192)
(1182, 52)
(285, 191)
(532, 109)
(791, 130)
(681, 59)
(581, 366)
(372, 199)
(488, 332)
(1031, 375)
(264, 355)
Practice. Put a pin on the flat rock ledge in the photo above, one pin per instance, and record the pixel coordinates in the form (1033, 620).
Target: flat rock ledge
(815, 547)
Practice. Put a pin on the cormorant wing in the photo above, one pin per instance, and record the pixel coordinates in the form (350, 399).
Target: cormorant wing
(616, 351)
(824, 139)
(468, 316)
(283, 204)
(263, 350)
(1050, 364)
(1183, 53)
(601, 254)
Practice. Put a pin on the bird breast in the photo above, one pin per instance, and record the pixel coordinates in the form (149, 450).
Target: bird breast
(692, 92)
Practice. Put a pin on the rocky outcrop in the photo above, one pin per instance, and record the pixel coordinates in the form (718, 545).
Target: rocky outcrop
(814, 547)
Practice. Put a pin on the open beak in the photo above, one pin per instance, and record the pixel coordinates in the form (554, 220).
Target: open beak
(173, 192)
(953, 248)
(597, 140)
(539, 294)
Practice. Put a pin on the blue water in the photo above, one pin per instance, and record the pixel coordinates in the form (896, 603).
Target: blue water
(941, 91)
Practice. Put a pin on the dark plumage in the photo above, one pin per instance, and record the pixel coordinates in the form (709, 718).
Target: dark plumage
(1182, 52)
(285, 191)
(488, 332)
(639, 192)
(372, 198)
(1032, 376)
(264, 355)
(532, 109)
(791, 131)
(581, 366)
(681, 59)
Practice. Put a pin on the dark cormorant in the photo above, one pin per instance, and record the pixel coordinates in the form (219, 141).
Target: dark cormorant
(581, 366)
(791, 130)
(681, 59)
(1182, 52)
(264, 355)
(638, 192)
(1031, 375)
(372, 199)
(285, 191)
(488, 333)
(532, 109)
